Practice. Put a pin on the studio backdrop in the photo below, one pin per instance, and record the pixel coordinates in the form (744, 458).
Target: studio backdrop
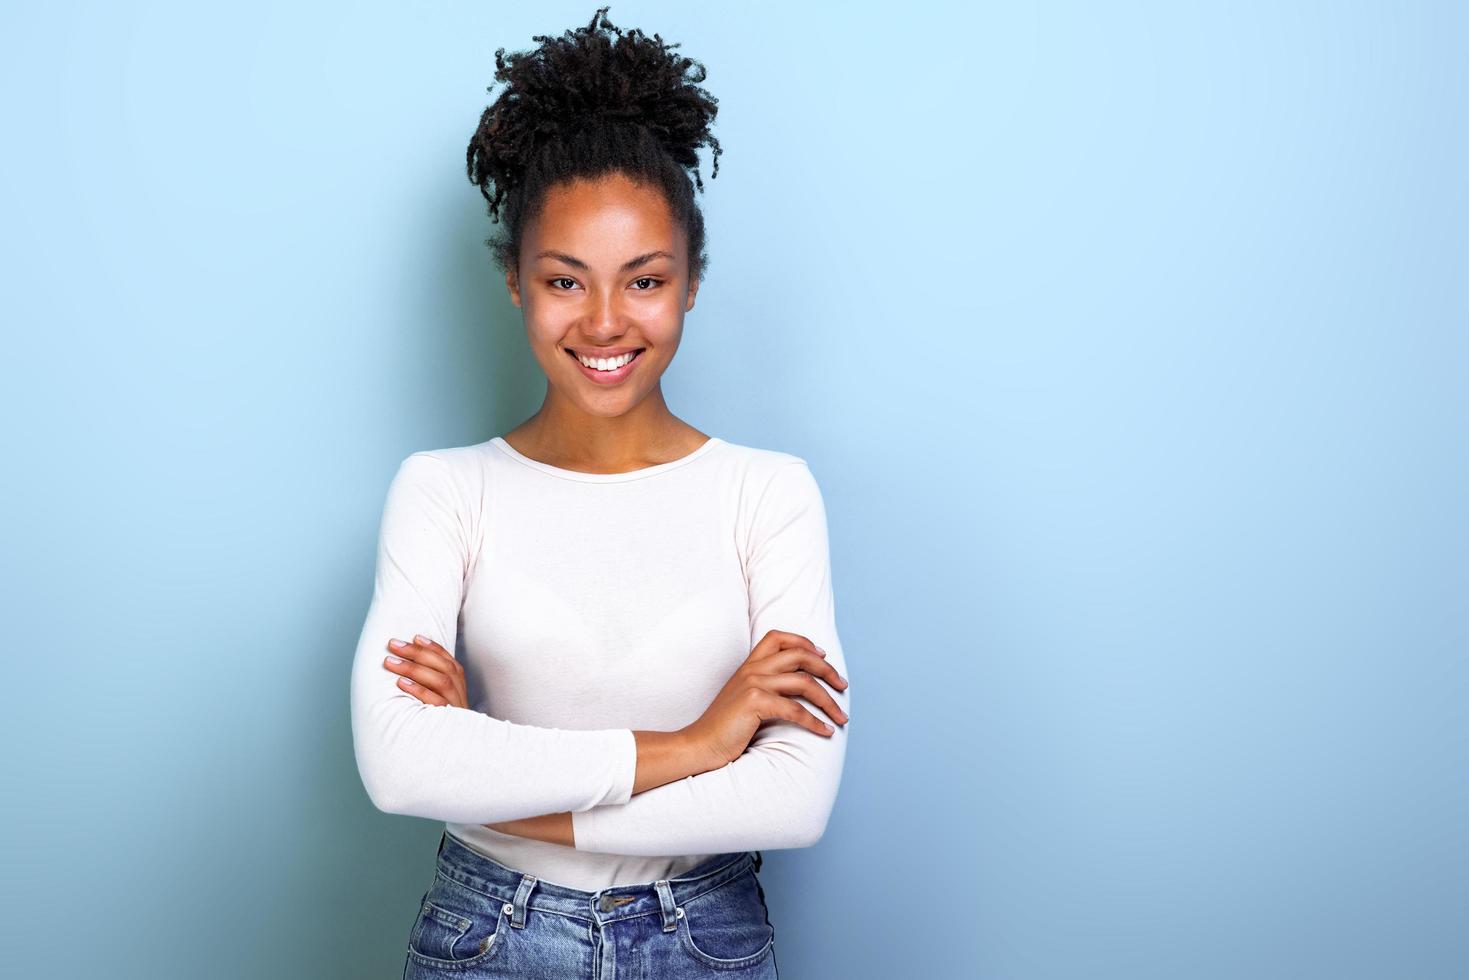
(1128, 343)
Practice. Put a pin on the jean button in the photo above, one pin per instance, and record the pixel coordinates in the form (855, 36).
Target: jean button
(508, 909)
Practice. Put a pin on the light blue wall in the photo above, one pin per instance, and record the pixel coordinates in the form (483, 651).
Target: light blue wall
(1128, 342)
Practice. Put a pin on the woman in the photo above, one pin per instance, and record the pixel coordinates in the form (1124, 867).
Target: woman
(592, 648)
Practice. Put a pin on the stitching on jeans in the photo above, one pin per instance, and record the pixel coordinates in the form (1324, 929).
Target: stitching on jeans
(453, 878)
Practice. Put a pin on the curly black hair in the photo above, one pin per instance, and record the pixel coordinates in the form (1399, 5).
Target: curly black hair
(587, 104)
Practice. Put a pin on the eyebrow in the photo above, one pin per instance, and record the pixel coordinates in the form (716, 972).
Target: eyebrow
(630, 264)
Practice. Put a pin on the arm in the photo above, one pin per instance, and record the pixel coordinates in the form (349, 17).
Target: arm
(444, 762)
(781, 790)
(662, 756)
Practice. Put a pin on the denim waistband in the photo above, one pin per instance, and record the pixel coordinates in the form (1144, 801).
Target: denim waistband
(520, 891)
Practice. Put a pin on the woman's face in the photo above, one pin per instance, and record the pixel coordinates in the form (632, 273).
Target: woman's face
(603, 272)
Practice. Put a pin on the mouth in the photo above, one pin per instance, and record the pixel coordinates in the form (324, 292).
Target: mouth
(609, 377)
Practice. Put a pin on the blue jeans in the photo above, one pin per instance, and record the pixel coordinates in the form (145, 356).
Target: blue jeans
(480, 919)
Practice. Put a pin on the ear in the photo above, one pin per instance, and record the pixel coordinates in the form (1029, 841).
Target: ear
(512, 283)
(693, 291)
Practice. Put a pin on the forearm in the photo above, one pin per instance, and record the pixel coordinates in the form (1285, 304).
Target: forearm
(663, 757)
(778, 794)
(666, 756)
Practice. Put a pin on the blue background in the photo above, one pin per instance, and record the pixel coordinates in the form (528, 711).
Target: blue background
(1127, 341)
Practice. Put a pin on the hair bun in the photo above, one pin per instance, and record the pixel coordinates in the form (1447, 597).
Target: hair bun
(600, 76)
(593, 100)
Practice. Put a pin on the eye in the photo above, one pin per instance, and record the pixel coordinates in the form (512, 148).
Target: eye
(562, 279)
(650, 279)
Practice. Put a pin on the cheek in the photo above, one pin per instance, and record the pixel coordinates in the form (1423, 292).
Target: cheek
(545, 334)
(665, 329)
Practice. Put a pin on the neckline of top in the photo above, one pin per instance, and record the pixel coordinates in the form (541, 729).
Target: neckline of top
(499, 443)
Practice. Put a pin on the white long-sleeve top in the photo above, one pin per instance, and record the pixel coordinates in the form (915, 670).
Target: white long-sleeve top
(584, 606)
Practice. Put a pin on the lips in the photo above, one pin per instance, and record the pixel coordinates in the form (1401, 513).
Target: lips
(607, 377)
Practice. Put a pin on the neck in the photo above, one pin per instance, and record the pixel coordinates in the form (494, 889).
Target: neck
(562, 434)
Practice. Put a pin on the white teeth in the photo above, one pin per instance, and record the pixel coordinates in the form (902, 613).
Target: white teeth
(606, 363)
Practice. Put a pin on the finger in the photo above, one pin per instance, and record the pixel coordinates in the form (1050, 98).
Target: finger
(444, 661)
(425, 679)
(433, 657)
(774, 641)
(811, 663)
(425, 651)
(789, 710)
(803, 684)
(799, 682)
(423, 694)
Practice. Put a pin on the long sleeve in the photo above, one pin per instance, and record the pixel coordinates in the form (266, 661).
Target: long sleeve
(444, 762)
(780, 792)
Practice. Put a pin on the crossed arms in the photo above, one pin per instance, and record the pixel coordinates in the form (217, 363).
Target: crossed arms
(443, 762)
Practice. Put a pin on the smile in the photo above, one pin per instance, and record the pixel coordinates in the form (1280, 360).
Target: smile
(608, 370)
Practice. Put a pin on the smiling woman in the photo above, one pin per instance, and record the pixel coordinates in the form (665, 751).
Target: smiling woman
(605, 276)
(584, 160)
(601, 648)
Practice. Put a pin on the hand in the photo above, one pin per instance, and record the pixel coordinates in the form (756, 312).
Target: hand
(428, 672)
(781, 665)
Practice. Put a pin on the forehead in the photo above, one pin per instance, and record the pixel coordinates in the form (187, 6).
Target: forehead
(605, 219)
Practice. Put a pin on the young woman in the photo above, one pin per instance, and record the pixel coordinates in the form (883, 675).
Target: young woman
(601, 648)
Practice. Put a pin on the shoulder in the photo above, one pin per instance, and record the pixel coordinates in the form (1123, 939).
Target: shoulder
(447, 459)
(761, 464)
(772, 483)
(454, 471)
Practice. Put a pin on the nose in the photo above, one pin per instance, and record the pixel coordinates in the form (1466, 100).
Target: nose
(603, 321)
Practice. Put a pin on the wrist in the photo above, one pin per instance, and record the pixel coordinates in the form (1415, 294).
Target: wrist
(664, 757)
(695, 751)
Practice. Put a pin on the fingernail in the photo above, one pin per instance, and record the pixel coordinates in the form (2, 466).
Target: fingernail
(819, 650)
(395, 644)
(420, 638)
(394, 660)
(405, 682)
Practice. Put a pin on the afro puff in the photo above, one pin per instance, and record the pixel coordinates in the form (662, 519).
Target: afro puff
(596, 100)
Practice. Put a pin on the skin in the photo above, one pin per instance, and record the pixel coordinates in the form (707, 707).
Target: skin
(582, 425)
(575, 290)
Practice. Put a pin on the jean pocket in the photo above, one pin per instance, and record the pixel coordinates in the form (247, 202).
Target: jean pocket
(727, 927)
(456, 928)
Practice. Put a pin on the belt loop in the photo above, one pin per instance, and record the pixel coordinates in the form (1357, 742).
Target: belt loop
(758, 861)
(671, 912)
(517, 910)
(442, 836)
